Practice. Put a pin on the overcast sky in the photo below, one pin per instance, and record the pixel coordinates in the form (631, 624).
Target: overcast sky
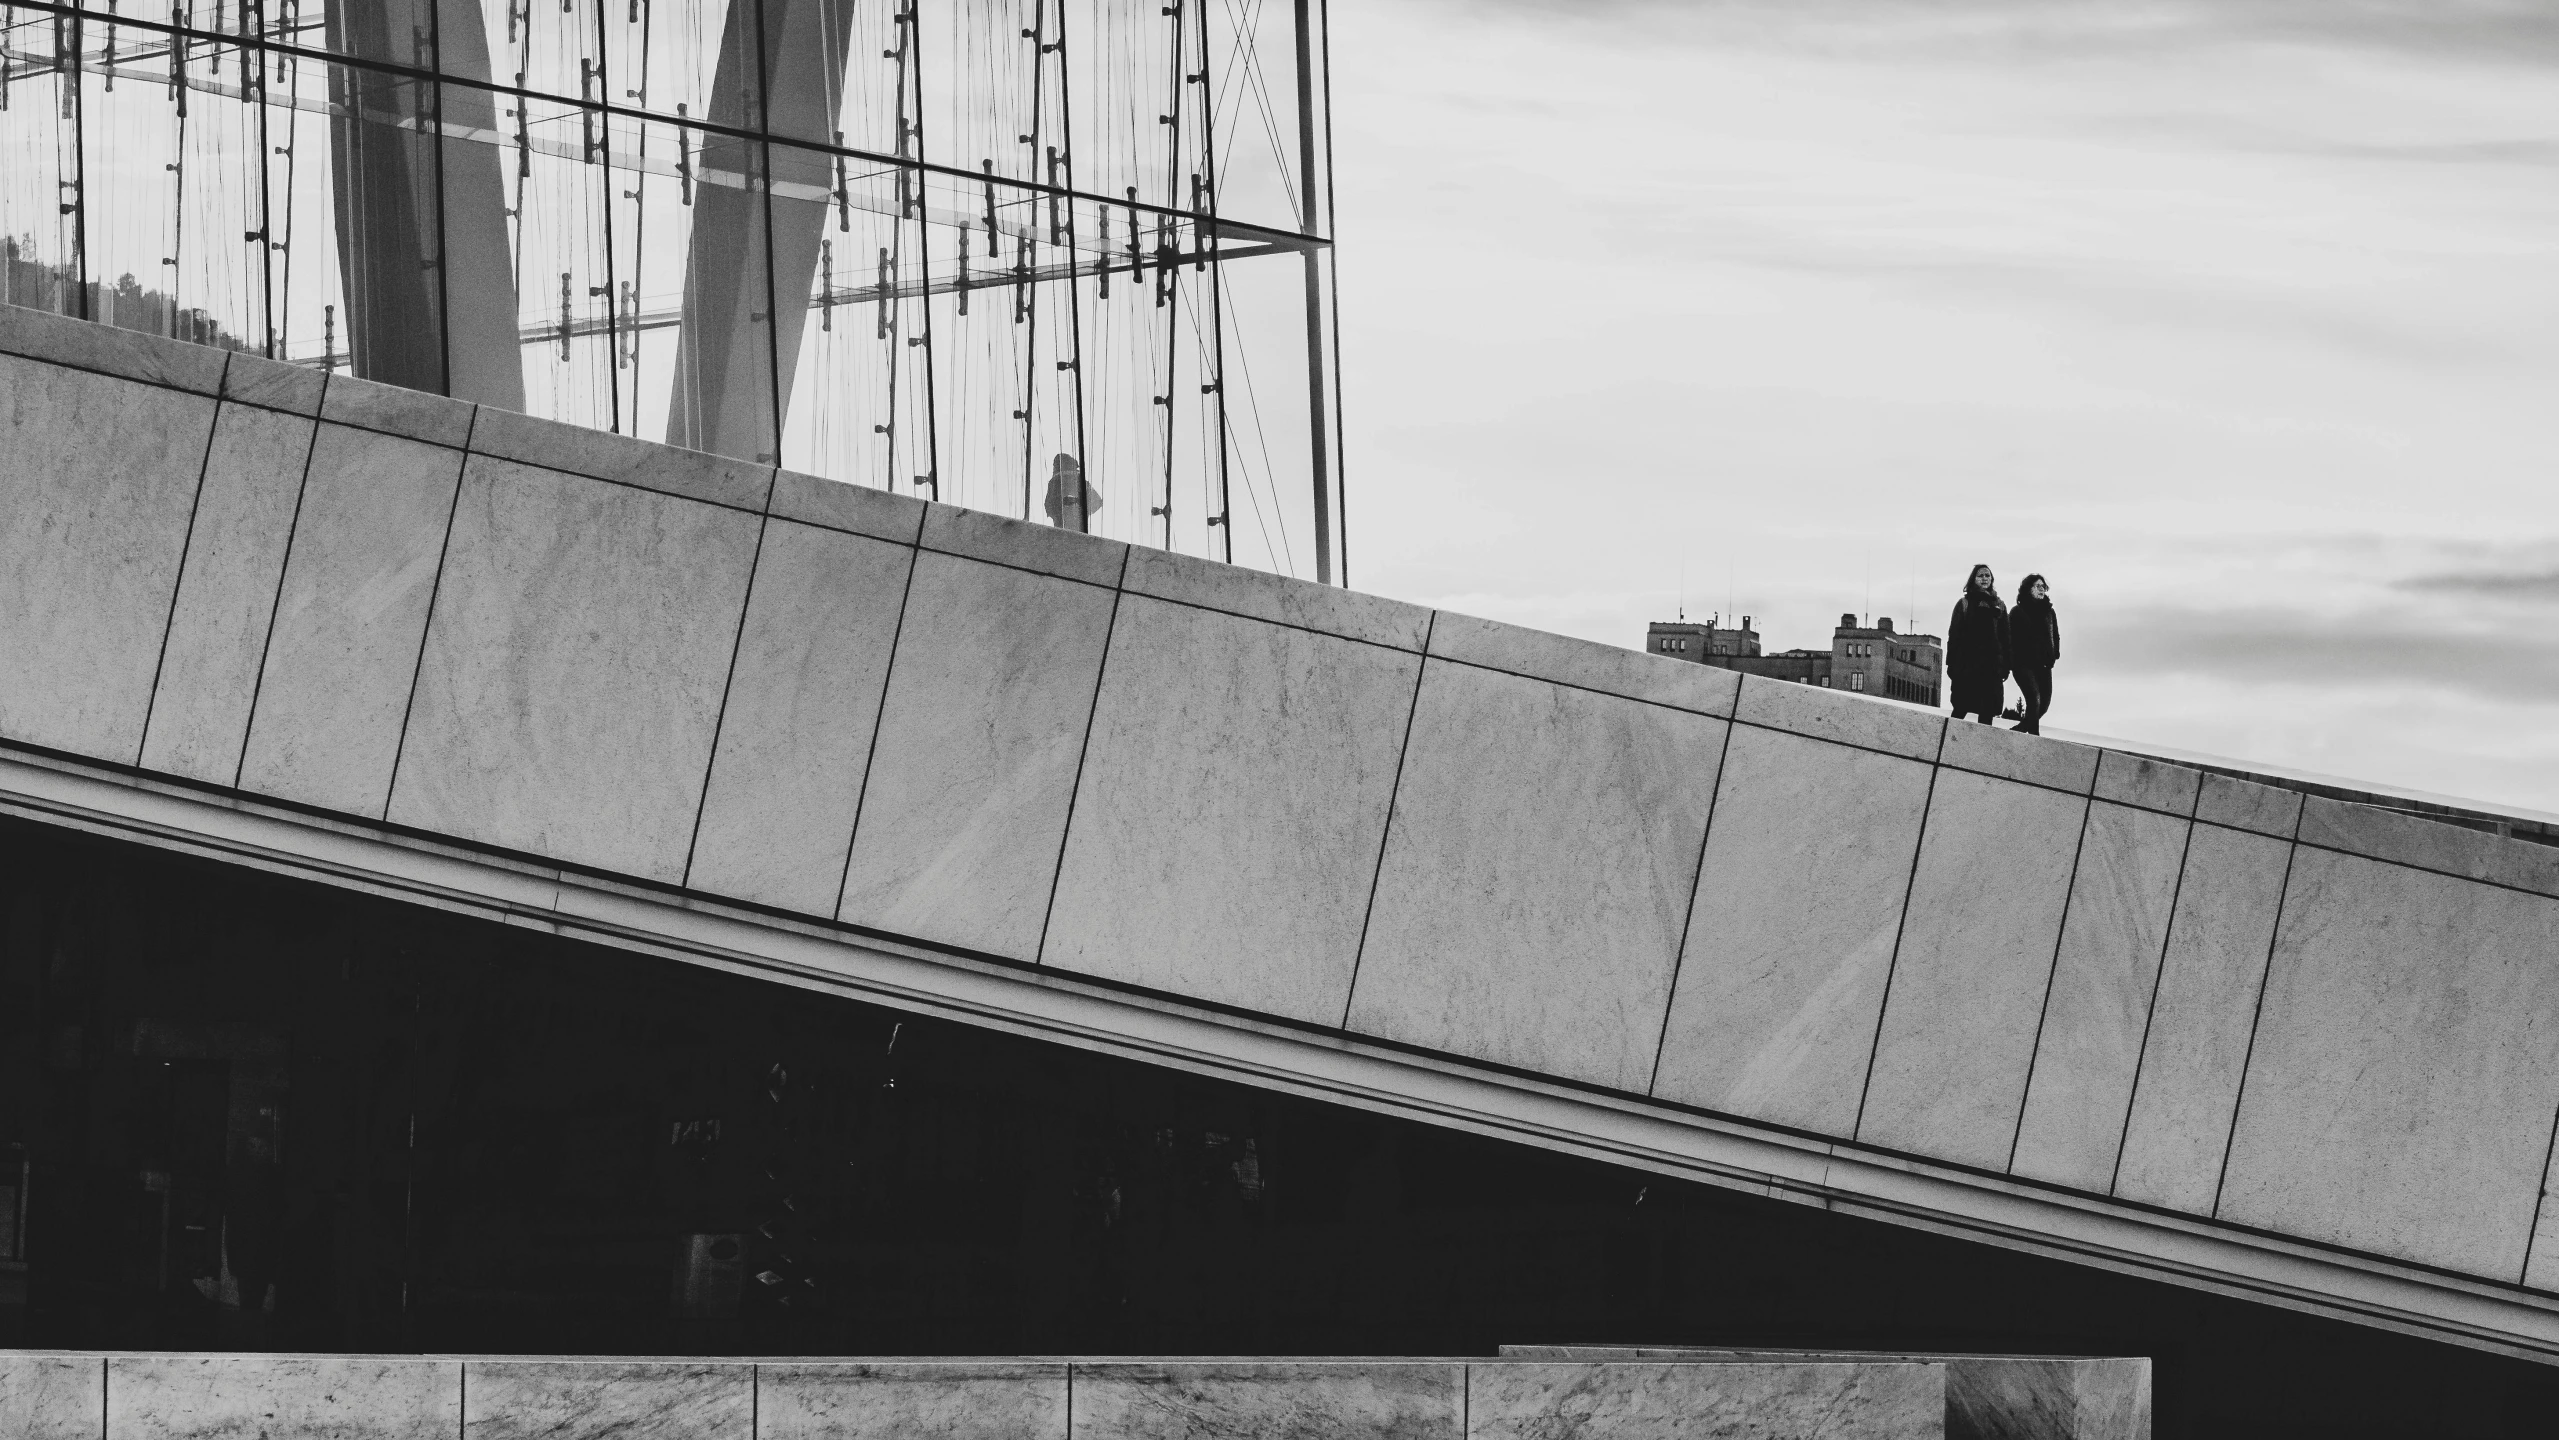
(2238, 319)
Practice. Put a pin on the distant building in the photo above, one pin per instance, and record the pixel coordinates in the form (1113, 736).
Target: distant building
(1870, 660)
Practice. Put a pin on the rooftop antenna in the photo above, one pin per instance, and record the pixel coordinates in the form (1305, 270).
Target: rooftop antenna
(1683, 590)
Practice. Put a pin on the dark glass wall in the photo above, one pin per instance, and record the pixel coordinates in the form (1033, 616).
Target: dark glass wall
(243, 1113)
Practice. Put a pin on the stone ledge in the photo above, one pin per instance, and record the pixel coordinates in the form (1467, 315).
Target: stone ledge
(108, 350)
(598, 455)
(1279, 599)
(1585, 665)
(1869, 724)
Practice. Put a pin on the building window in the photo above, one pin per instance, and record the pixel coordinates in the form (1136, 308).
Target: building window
(1857, 681)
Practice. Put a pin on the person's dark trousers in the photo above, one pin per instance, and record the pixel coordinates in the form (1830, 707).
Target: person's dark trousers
(2036, 688)
(1978, 697)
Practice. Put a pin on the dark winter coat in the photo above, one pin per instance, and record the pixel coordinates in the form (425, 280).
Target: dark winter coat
(2034, 635)
(1977, 638)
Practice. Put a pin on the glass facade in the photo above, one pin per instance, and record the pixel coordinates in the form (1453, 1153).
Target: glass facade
(1010, 254)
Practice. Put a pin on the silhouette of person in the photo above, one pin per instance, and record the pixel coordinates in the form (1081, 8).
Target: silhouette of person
(1072, 499)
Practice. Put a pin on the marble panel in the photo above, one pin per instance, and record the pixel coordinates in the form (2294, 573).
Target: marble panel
(391, 410)
(1044, 549)
(110, 350)
(97, 478)
(1302, 1399)
(2032, 759)
(226, 593)
(2400, 1090)
(2148, 783)
(1660, 1400)
(577, 450)
(1609, 669)
(349, 617)
(1234, 794)
(607, 1400)
(570, 690)
(256, 380)
(2380, 834)
(307, 1397)
(2247, 805)
(1276, 598)
(52, 1397)
(1977, 946)
(1792, 935)
(1886, 725)
(2177, 1124)
(2099, 1006)
(965, 804)
(1537, 875)
(2541, 1257)
(813, 500)
(795, 730)
(912, 1400)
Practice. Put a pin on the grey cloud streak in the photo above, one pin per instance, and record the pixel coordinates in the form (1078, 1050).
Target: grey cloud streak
(2364, 650)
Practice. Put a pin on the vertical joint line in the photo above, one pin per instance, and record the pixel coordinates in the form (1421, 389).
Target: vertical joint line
(1884, 1004)
(2052, 972)
(186, 546)
(2158, 978)
(435, 591)
(1696, 880)
(283, 571)
(2256, 1016)
(1386, 832)
(1083, 752)
(879, 717)
(720, 717)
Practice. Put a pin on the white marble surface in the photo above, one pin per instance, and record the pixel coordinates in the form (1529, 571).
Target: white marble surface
(1850, 719)
(578, 450)
(110, 350)
(607, 1400)
(1610, 669)
(272, 1397)
(965, 805)
(226, 593)
(2091, 1038)
(1225, 832)
(2177, 1125)
(814, 500)
(1302, 1400)
(348, 620)
(2429, 844)
(2030, 759)
(573, 671)
(390, 410)
(2541, 1259)
(256, 380)
(1655, 1400)
(795, 729)
(2148, 783)
(914, 1400)
(1023, 544)
(2400, 1091)
(1797, 906)
(2247, 805)
(1968, 981)
(52, 1397)
(1276, 598)
(1537, 875)
(97, 476)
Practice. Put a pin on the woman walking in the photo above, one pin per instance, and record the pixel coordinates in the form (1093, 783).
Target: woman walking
(1977, 648)
(2034, 647)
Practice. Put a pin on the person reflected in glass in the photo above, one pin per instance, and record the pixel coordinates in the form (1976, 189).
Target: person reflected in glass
(1977, 648)
(2034, 647)
(1072, 500)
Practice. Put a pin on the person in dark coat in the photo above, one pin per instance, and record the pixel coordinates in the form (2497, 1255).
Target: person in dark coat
(1073, 501)
(1977, 648)
(2034, 647)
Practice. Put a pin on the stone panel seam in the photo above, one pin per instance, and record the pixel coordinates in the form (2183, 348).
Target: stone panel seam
(755, 510)
(275, 605)
(2158, 977)
(919, 544)
(1568, 684)
(1688, 921)
(1910, 882)
(2257, 1016)
(178, 583)
(1083, 752)
(879, 717)
(426, 630)
(1222, 610)
(1386, 832)
(462, 1401)
(1876, 749)
(1070, 1402)
(2540, 1200)
(2061, 932)
(720, 718)
(2422, 869)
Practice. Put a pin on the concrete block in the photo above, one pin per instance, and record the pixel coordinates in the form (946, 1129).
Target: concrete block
(108, 350)
(1609, 669)
(1886, 725)
(1537, 875)
(1276, 598)
(607, 1400)
(813, 500)
(2247, 805)
(964, 809)
(52, 1397)
(984, 1400)
(226, 593)
(349, 618)
(1807, 860)
(391, 410)
(795, 730)
(1042, 549)
(570, 689)
(1661, 1400)
(2178, 1123)
(666, 469)
(2379, 834)
(2032, 759)
(97, 478)
(2150, 784)
(1234, 794)
(1968, 982)
(256, 380)
(2541, 1257)
(2400, 1091)
(307, 1397)
(2089, 1046)
(1304, 1399)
